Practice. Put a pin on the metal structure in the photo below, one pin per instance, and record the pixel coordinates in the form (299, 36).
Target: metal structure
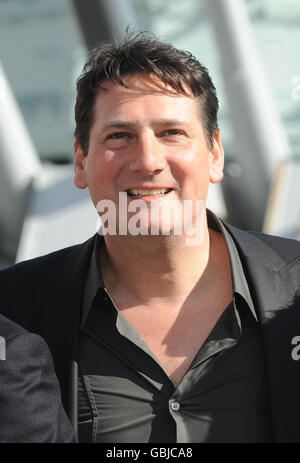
(19, 165)
(99, 20)
(260, 141)
(283, 211)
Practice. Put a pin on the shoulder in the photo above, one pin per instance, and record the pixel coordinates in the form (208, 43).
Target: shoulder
(277, 242)
(27, 288)
(36, 264)
(56, 264)
(23, 346)
(8, 328)
(30, 400)
(266, 248)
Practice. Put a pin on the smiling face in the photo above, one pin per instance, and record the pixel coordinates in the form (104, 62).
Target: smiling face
(148, 141)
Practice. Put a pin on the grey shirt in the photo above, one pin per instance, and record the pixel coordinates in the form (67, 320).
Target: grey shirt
(126, 396)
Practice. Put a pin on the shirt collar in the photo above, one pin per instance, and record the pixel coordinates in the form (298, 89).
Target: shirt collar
(239, 281)
(94, 281)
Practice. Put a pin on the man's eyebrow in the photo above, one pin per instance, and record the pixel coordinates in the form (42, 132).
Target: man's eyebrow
(121, 124)
(169, 122)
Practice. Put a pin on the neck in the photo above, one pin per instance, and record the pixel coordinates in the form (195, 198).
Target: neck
(150, 269)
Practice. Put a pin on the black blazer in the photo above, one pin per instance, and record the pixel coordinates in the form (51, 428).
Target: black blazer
(30, 400)
(45, 296)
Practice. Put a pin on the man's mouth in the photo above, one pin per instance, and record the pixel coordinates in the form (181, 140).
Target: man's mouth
(138, 193)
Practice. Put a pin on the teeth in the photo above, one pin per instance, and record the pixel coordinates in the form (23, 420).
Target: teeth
(135, 192)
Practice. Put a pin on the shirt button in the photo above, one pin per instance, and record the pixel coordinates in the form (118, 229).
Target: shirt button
(175, 406)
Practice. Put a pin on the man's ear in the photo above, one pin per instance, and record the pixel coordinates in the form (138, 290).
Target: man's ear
(216, 159)
(79, 166)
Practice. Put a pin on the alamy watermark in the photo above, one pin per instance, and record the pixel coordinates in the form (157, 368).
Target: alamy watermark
(156, 217)
(153, 218)
(2, 348)
(295, 92)
(296, 350)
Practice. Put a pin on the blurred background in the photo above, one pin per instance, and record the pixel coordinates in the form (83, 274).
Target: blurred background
(250, 48)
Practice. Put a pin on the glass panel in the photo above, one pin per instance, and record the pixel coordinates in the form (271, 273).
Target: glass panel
(40, 45)
(277, 34)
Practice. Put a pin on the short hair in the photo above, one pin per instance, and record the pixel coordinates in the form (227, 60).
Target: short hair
(142, 53)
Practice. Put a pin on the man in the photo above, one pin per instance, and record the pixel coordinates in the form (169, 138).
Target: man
(167, 340)
(30, 403)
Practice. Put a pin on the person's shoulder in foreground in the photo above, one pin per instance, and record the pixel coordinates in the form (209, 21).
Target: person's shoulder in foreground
(30, 401)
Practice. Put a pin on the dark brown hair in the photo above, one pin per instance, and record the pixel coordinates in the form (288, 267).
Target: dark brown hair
(140, 53)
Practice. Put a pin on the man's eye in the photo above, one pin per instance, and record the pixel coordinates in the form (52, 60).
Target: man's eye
(118, 135)
(118, 140)
(171, 132)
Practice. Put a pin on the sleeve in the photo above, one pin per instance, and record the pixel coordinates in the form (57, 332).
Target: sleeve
(30, 401)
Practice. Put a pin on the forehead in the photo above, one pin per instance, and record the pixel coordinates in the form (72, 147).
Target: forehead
(142, 94)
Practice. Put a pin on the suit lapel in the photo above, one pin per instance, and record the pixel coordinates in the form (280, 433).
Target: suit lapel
(274, 293)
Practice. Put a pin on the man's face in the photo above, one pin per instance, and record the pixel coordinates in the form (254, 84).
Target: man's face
(147, 138)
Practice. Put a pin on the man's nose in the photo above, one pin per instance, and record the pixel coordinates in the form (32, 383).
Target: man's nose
(149, 157)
